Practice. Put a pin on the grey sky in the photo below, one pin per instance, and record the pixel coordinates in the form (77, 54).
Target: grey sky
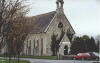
(84, 15)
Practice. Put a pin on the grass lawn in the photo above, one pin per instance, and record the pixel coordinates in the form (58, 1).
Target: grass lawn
(13, 61)
(40, 57)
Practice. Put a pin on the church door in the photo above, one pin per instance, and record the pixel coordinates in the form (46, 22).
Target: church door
(66, 50)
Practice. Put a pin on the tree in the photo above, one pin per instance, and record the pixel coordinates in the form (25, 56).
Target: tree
(16, 37)
(86, 41)
(86, 37)
(55, 43)
(93, 47)
(97, 38)
(76, 46)
(83, 44)
(1, 22)
(98, 43)
(12, 14)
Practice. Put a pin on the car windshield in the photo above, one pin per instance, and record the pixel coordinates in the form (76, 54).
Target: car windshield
(83, 54)
(79, 54)
(95, 53)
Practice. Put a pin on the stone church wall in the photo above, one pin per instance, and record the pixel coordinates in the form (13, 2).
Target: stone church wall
(37, 46)
(53, 29)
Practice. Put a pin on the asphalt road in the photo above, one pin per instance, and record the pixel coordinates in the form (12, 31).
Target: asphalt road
(57, 61)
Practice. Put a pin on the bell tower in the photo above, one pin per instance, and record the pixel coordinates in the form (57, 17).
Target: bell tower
(59, 9)
(59, 4)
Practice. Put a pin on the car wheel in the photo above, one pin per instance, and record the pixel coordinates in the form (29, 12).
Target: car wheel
(97, 59)
(74, 58)
(82, 58)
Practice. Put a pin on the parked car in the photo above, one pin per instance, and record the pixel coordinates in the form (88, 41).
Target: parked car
(94, 55)
(82, 56)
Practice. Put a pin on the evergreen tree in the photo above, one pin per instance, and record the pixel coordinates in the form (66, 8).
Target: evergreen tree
(98, 42)
(83, 44)
(53, 44)
(75, 46)
(92, 45)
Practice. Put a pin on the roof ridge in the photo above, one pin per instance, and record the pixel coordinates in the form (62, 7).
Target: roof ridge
(44, 13)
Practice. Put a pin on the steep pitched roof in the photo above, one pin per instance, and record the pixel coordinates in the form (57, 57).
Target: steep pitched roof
(37, 24)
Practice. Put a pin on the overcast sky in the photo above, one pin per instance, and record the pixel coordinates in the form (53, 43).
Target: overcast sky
(84, 15)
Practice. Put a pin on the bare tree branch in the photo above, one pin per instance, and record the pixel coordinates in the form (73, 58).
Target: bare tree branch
(12, 19)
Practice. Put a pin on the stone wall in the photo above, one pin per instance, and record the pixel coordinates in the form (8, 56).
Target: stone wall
(38, 47)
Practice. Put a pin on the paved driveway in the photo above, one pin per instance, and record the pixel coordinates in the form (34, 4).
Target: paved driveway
(57, 61)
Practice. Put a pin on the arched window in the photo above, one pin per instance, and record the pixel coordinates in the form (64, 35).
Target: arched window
(34, 43)
(29, 50)
(30, 43)
(37, 47)
(27, 44)
(41, 46)
(37, 43)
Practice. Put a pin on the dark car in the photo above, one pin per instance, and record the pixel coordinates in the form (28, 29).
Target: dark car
(94, 55)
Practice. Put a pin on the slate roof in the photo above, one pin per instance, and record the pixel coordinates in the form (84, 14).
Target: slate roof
(37, 24)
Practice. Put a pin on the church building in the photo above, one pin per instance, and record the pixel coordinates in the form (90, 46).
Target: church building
(38, 40)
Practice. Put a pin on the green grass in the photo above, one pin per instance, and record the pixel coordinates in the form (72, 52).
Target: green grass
(13, 61)
(40, 57)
